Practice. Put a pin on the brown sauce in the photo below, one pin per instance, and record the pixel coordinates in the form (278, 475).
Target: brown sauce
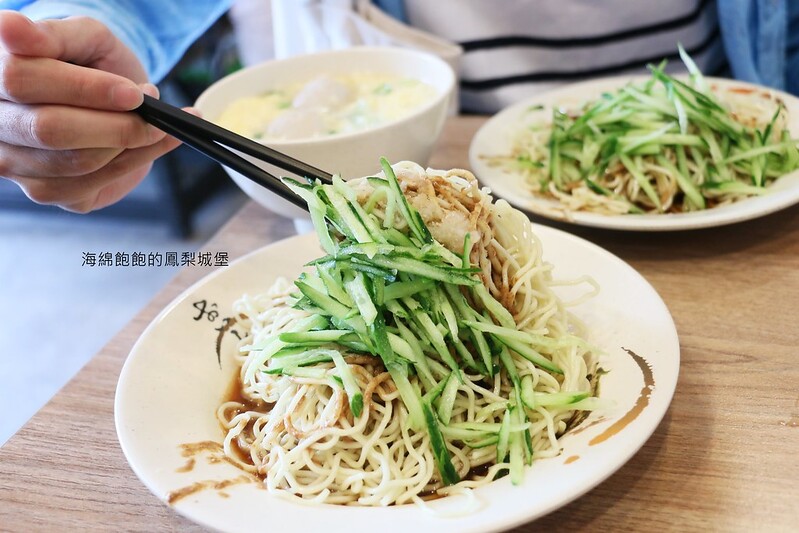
(194, 448)
(234, 393)
(640, 403)
(188, 467)
(476, 472)
(177, 495)
(574, 430)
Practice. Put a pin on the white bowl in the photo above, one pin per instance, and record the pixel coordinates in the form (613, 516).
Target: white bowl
(351, 155)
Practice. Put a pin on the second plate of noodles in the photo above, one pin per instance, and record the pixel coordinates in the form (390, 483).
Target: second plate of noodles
(648, 153)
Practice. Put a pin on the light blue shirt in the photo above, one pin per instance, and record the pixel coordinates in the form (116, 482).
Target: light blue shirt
(759, 46)
(158, 31)
(761, 38)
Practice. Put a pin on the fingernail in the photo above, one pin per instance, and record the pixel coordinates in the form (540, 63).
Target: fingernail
(126, 96)
(150, 90)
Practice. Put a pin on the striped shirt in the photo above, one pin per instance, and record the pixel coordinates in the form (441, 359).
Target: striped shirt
(516, 48)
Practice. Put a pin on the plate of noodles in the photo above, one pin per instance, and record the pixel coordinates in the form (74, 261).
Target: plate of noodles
(429, 360)
(645, 153)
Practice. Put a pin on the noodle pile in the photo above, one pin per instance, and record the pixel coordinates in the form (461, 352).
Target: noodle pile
(660, 146)
(300, 435)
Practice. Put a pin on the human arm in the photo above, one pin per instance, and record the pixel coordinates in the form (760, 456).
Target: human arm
(65, 86)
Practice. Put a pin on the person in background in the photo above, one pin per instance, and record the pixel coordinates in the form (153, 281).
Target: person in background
(68, 79)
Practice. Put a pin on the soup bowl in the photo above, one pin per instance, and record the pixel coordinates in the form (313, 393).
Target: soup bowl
(353, 154)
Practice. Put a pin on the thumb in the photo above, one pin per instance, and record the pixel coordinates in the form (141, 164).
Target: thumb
(79, 40)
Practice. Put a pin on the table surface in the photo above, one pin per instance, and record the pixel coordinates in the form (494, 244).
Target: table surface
(725, 457)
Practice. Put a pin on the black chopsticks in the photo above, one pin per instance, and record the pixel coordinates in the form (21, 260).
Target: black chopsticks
(216, 142)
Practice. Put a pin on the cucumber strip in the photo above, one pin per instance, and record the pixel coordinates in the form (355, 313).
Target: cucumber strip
(447, 400)
(466, 355)
(379, 336)
(510, 367)
(696, 74)
(378, 286)
(527, 392)
(418, 357)
(463, 434)
(415, 223)
(410, 399)
(715, 153)
(532, 399)
(791, 150)
(391, 207)
(396, 237)
(449, 476)
(363, 300)
(503, 439)
(749, 154)
(435, 391)
(326, 335)
(317, 210)
(435, 336)
(530, 354)
(367, 268)
(305, 358)
(448, 312)
(311, 372)
(331, 278)
(478, 339)
(484, 350)
(419, 268)
(521, 418)
(467, 250)
(482, 443)
(350, 384)
(631, 142)
(324, 302)
(544, 344)
(559, 399)
(368, 222)
(735, 187)
(655, 141)
(379, 194)
(684, 182)
(450, 257)
(496, 309)
(350, 219)
(290, 349)
(487, 427)
(516, 452)
(401, 289)
(642, 180)
(461, 305)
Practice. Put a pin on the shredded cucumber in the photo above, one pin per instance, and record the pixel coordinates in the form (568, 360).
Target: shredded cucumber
(693, 133)
(404, 298)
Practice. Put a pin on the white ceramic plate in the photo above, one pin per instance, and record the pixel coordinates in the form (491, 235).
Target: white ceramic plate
(495, 137)
(172, 382)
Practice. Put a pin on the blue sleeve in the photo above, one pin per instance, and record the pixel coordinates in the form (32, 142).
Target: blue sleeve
(158, 31)
(760, 48)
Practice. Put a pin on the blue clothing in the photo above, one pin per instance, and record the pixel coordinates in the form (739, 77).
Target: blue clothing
(759, 47)
(158, 31)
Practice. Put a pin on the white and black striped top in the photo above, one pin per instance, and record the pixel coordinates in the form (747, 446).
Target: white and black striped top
(516, 48)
